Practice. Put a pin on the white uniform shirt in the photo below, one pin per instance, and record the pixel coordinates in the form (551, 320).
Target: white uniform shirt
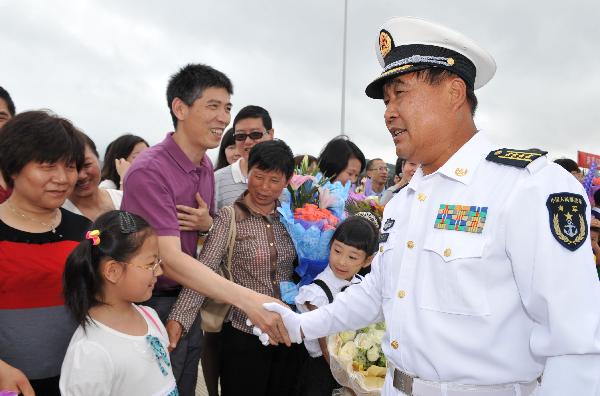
(101, 361)
(495, 307)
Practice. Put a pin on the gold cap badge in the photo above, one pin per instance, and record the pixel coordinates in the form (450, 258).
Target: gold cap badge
(385, 43)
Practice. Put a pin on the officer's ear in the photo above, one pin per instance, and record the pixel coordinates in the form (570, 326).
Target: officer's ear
(457, 91)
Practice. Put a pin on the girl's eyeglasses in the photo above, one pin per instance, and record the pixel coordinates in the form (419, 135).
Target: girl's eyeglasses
(157, 263)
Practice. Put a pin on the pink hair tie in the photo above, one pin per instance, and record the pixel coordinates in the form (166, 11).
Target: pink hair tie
(94, 236)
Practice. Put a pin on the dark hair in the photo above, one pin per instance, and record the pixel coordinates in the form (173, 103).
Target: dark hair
(254, 112)
(189, 83)
(90, 143)
(568, 164)
(9, 102)
(272, 155)
(399, 165)
(38, 136)
(370, 163)
(299, 158)
(335, 156)
(82, 280)
(434, 76)
(359, 233)
(121, 147)
(226, 141)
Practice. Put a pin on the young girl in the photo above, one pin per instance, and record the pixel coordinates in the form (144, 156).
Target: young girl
(353, 245)
(119, 348)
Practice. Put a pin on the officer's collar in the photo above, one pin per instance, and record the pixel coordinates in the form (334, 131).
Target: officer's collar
(463, 164)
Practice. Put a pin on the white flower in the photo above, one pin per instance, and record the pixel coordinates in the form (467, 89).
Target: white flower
(347, 335)
(364, 341)
(373, 353)
(378, 335)
(346, 352)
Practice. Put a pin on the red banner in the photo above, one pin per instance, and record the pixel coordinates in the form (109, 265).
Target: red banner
(585, 159)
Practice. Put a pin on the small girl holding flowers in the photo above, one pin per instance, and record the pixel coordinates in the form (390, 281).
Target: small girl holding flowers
(352, 247)
(119, 348)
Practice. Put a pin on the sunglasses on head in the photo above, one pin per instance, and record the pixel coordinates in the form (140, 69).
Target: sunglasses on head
(254, 135)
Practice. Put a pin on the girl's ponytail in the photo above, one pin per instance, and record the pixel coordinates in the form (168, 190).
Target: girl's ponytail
(82, 281)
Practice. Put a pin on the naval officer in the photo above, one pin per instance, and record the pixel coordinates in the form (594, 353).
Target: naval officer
(485, 275)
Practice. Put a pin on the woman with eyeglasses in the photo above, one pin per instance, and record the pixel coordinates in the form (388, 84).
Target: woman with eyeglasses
(40, 155)
(251, 125)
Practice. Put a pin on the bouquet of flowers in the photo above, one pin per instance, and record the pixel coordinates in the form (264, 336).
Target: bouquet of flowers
(357, 361)
(310, 211)
(359, 204)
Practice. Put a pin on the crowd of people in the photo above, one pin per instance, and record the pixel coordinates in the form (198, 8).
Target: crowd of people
(105, 268)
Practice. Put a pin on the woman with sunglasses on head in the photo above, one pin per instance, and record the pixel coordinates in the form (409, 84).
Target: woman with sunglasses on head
(40, 154)
(119, 348)
(251, 125)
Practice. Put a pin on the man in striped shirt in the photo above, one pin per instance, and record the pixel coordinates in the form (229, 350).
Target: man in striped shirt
(252, 125)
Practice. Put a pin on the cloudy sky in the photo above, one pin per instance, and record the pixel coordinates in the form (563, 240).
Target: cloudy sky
(105, 64)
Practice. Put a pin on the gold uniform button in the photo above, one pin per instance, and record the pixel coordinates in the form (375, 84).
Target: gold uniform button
(381, 249)
(461, 171)
(410, 244)
(448, 252)
(421, 197)
(394, 344)
(401, 294)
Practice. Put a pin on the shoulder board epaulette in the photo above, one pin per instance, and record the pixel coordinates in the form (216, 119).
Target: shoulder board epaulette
(516, 158)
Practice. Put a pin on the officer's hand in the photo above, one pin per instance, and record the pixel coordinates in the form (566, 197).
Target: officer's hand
(12, 379)
(267, 321)
(174, 330)
(291, 320)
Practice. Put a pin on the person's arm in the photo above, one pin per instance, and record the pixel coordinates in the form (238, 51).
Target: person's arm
(13, 379)
(185, 270)
(186, 308)
(558, 286)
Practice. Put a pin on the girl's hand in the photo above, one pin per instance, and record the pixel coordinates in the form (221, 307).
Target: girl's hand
(174, 330)
(194, 219)
(12, 379)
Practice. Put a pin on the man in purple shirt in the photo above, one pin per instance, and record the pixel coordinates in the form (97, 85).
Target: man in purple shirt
(164, 183)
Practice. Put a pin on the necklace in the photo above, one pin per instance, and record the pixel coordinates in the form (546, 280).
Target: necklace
(23, 215)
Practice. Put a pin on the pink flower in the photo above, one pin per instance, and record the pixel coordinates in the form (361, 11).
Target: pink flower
(326, 198)
(298, 180)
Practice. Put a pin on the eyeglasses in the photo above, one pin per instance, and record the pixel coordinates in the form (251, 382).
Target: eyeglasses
(157, 263)
(254, 135)
(380, 169)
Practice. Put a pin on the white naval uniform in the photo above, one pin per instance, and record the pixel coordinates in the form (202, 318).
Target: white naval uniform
(496, 307)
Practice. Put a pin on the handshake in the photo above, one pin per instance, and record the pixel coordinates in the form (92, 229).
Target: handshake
(291, 321)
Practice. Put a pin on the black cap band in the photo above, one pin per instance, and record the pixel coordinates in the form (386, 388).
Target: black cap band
(410, 58)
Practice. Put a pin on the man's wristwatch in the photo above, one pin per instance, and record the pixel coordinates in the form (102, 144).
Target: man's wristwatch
(205, 233)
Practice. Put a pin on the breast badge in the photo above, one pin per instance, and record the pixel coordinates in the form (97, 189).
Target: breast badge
(568, 224)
